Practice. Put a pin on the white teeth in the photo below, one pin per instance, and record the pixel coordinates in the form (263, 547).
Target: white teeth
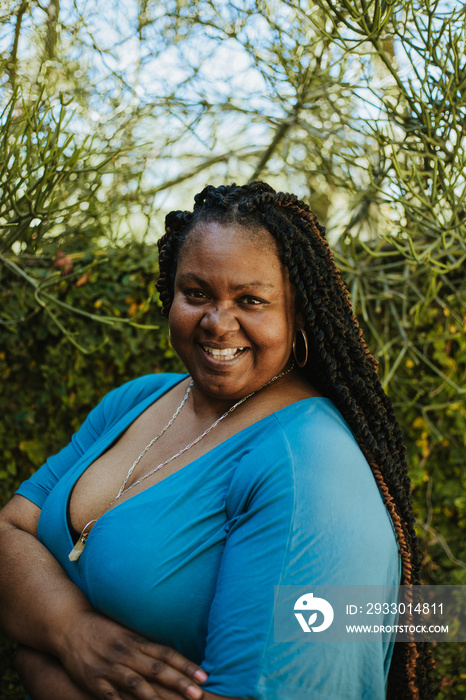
(222, 354)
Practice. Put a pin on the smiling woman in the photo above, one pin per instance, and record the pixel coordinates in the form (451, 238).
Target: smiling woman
(185, 499)
(233, 327)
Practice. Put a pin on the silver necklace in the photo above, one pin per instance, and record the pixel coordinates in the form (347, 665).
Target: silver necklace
(79, 546)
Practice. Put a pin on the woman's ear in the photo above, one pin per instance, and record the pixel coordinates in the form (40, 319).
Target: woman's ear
(299, 320)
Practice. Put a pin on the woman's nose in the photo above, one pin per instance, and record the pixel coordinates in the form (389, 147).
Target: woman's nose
(219, 320)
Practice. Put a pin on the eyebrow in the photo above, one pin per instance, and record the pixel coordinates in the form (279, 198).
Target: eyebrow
(190, 277)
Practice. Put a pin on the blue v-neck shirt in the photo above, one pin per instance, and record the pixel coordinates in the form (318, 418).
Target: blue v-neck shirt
(192, 561)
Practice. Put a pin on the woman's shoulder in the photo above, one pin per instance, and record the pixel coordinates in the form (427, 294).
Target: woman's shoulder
(315, 418)
(149, 383)
(294, 437)
(307, 443)
(321, 444)
(133, 392)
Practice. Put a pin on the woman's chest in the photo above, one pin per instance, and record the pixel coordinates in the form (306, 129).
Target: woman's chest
(137, 461)
(152, 562)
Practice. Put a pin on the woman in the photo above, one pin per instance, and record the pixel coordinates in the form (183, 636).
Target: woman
(265, 472)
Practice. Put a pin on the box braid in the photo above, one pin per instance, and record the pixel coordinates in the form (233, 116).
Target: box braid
(339, 363)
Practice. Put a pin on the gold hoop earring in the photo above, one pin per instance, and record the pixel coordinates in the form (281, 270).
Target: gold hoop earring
(303, 362)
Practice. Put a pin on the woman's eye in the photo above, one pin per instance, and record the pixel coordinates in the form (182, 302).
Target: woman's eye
(252, 301)
(195, 294)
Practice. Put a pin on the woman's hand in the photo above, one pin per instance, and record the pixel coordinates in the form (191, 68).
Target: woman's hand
(44, 678)
(110, 662)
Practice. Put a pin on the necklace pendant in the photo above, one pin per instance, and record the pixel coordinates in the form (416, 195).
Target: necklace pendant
(78, 548)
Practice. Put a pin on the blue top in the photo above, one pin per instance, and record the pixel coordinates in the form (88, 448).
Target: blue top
(192, 561)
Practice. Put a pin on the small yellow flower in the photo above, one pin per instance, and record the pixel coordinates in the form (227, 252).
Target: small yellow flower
(409, 363)
(419, 422)
(133, 309)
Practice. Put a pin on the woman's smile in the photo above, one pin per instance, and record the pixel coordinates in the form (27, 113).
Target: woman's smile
(222, 354)
(232, 320)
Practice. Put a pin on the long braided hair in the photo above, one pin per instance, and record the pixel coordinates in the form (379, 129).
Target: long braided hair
(339, 364)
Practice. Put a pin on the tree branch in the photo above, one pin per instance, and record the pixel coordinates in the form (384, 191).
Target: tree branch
(13, 61)
(280, 134)
(53, 11)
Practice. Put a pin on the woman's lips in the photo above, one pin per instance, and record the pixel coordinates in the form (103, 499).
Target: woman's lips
(222, 354)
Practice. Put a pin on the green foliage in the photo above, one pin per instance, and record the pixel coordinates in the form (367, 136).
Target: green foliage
(49, 177)
(420, 343)
(49, 383)
(9, 685)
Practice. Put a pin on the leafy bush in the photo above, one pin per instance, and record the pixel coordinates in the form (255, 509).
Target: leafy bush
(415, 323)
(49, 383)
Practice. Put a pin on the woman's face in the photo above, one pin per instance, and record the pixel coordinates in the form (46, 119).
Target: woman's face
(232, 320)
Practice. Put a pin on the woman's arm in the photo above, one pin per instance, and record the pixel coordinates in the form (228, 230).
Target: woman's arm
(44, 678)
(36, 597)
(41, 608)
